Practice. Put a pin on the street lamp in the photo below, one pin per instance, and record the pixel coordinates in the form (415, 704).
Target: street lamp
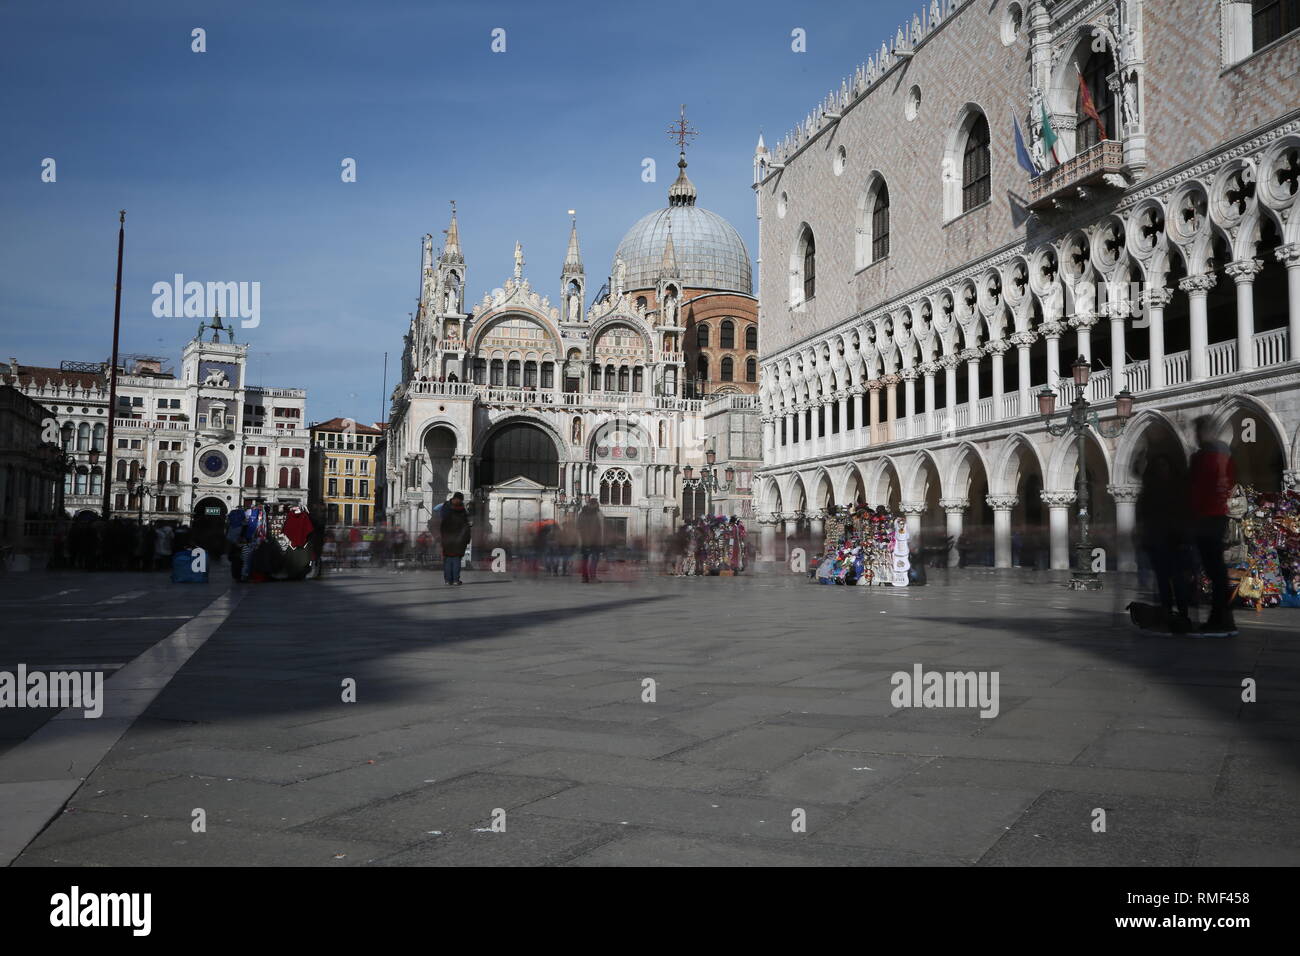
(141, 488)
(708, 480)
(1078, 420)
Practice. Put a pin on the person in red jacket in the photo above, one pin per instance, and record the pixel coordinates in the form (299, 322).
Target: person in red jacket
(1212, 477)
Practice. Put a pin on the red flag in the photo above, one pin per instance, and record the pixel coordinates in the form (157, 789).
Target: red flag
(1089, 109)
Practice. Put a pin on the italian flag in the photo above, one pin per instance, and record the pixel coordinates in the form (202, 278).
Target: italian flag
(1049, 136)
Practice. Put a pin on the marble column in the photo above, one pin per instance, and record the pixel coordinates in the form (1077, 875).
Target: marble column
(908, 375)
(817, 529)
(844, 441)
(1197, 288)
(891, 405)
(769, 445)
(767, 537)
(827, 442)
(1126, 497)
(874, 403)
(954, 511)
(949, 424)
(928, 370)
(1082, 325)
(1243, 273)
(1023, 341)
(913, 510)
(1052, 332)
(1058, 503)
(972, 358)
(1118, 313)
(791, 532)
(1289, 256)
(1154, 302)
(859, 416)
(1002, 506)
(997, 349)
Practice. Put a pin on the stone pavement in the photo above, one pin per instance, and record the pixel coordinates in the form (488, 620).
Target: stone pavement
(523, 700)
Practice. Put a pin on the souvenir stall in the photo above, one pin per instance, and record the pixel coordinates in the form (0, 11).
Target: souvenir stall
(864, 547)
(1264, 547)
(714, 545)
(277, 547)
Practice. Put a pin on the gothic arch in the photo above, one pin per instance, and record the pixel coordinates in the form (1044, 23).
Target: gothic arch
(1005, 475)
(1135, 439)
(1228, 406)
(1061, 463)
(823, 490)
(912, 488)
(428, 427)
(564, 449)
(957, 483)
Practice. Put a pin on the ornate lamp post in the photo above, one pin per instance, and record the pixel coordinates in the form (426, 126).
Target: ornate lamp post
(1078, 420)
(140, 488)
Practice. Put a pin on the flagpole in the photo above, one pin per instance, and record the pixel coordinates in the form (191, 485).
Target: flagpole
(112, 368)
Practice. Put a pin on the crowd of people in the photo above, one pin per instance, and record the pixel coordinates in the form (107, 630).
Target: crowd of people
(118, 544)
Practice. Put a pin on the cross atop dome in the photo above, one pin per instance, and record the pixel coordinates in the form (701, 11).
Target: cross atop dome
(681, 131)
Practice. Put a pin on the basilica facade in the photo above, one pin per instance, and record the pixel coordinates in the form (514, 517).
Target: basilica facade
(528, 406)
(1001, 188)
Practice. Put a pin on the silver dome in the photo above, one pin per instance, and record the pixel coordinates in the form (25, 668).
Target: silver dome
(708, 250)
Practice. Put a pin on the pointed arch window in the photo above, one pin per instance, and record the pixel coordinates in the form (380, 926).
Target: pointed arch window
(616, 487)
(880, 223)
(976, 166)
(809, 265)
(1086, 134)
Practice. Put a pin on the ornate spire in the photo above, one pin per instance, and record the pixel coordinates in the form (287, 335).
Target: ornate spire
(682, 191)
(668, 264)
(573, 258)
(451, 249)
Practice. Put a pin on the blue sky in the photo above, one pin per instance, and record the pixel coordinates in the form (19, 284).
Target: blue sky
(228, 162)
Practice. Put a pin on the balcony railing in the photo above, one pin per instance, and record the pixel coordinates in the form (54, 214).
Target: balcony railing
(1087, 168)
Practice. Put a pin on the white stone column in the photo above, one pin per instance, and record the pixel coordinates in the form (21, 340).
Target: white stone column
(908, 375)
(796, 426)
(1082, 325)
(1058, 503)
(928, 370)
(1052, 332)
(997, 349)
(769, 444)
(1023, 341)
(817, 528)
(949, 363)
(827, 442)
(791, 529)
(844, 440)
(1243, 273)
(787, 450)
(954, 511)
(1197, 288)
(1154, 302)
(1289, 256)
(1002, 506)
(767, 536)
(1118, 313)
(859, 416)
(972, 357)
(1125, 523)
(874, 402)
(891, 405)
(913, 510)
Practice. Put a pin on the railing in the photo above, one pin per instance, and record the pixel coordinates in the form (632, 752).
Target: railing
(1089, 166)
(1178, 368)
(441, 389)
(279, 392)
(1100, 387)
(718, 402)
(146, 424)
(1223, 358)
(984, 410)
(1271, 348)
(1139, 376)
(1011, 405)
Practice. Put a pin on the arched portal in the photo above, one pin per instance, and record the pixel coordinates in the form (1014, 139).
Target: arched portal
(440, 452)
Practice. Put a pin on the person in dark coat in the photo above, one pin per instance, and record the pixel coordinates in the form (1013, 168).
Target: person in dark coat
(1162, 519)
(591, 538)
(1212, 476)
(455, 532)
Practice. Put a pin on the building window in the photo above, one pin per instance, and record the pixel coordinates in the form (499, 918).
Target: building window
(248, 476)
(530, 375)
(512, 373)
(1086, 133)
(751, 370)
(100, 433)
(1273, 19)
(702, 336)
(638, 379)
(976, 167)
(333, 487)
(347, 488)
(727, 372)
(261, 476)
(363, 514)
(284, 478)
(365, 488)
(480, 371)
(751, 338)
(83, 437)
(616, 487)
(498, 372)
(548, 375)
(96, 480)
(695, 503)
(624, 381)
(809, 266)
(728, 337)
(295, 478)
(880, 223)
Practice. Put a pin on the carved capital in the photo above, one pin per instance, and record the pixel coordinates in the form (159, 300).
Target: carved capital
(972, 355)
(1125, 493)
(1290, 478)
(999, 347)
(930, 368)
(954, 505)
(1057, 499)
(1083, 320)
(912, 507)
(1157, 298)
(891, 380)
(1288, 255)
(1198, 285)
(908, 374)
(1002, 502)
(875, 385)
(1244, 270)
(1023, 340)
(948, 361)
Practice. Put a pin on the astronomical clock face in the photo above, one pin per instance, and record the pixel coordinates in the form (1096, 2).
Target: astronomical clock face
(213, 463)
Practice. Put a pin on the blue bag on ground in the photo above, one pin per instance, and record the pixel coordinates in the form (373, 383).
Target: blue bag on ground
(183, 569)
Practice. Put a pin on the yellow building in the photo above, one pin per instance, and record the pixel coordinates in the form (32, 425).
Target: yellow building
(344, 480)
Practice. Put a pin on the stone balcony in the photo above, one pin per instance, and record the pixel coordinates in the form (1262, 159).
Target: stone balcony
(1065, 182)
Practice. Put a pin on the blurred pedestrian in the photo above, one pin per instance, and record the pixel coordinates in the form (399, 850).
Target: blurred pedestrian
(591, 539)
(1162, 519)
(455, 532)
(1212, 477)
